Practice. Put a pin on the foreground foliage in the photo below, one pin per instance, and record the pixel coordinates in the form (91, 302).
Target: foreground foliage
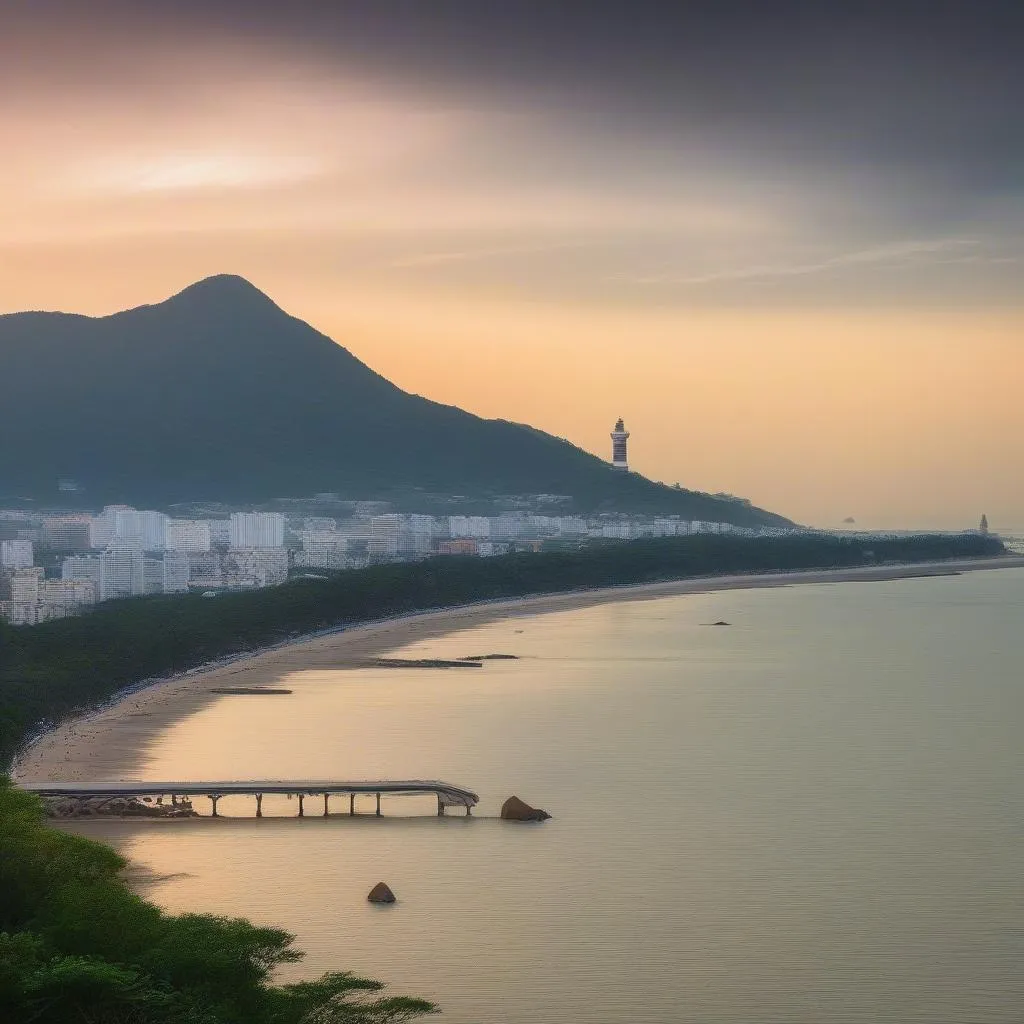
(50, 671)
(77, 945)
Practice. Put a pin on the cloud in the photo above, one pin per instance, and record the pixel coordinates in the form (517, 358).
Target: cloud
(893, 254)
(430, 259)
(186, 171)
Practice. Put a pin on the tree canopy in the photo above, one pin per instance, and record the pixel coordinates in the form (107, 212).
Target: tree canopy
(76, 944)
(56, 669)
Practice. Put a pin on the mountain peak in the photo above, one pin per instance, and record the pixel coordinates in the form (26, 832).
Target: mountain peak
(223, 290)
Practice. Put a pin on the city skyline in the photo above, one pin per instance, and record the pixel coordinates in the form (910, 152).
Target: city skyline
(59, 565)
(797, 285)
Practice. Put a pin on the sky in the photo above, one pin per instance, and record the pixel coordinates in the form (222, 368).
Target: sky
(784, 241)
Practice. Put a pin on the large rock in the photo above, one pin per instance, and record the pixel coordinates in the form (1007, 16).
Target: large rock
(381, 893)
(514, 809)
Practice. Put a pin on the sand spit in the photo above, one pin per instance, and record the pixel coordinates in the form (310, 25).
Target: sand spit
(108, 744)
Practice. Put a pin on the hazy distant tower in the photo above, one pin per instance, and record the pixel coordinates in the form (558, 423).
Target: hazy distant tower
(983, 526)
(620, 435)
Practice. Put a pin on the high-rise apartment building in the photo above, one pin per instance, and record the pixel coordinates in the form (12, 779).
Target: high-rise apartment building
(204, 569)
(421, 534)
(255, 567)
(65, 597)
(145, 530)
(128, 527)
(257, 530)
(65, 533)
(220, 531)
(319, 523)
(386, 534)
(469, 526)
(15, 554)
(506, 528)
(189, 535)
(83, 568)
(152, 575)
(103, 527)
(122, 573)
(175, 572)
(24, 584)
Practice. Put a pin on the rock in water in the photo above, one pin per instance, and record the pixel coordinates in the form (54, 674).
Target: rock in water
(514, 809)
(381, 893)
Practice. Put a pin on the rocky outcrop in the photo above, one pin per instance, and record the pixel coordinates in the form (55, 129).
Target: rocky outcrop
(381, 893)
(421, 663)
(117, 807)
(514, 809)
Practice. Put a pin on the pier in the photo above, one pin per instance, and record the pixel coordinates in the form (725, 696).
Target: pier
(447, 794)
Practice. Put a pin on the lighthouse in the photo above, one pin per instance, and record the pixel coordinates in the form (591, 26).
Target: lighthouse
(619, 437)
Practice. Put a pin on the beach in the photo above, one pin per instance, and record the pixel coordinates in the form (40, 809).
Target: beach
(108, 744)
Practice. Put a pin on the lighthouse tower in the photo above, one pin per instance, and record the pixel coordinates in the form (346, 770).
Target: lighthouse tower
(619, 437)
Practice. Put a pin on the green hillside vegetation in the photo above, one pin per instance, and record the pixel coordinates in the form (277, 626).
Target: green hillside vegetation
(77, 945)
(218, 394)
(50, 671)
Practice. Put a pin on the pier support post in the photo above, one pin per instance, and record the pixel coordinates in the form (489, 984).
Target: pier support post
(440, 807)
(378, 805)
(469, 810)
(213, 800)
(325, 805)
(301, 812)
(352, 804)
(259, 805)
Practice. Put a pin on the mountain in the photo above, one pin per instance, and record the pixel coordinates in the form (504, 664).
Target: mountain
(218, 394)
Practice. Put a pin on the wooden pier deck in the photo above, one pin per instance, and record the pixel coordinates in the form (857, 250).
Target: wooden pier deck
(447, 794)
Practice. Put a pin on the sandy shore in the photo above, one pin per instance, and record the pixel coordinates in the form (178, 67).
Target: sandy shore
(109, 744)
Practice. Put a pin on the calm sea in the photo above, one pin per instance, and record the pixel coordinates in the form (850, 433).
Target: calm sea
(813, 814)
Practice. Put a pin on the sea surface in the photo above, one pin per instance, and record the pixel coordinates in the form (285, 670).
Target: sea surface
(813, 814)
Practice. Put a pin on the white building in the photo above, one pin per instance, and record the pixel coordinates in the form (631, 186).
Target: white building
(475, 527)
(571, 525)
(176, 572)
(386, 535)
(83, 569)
(25, 585)
(323, 549)
(66, 533)
(421, 530)
(122, 573)
(204, 569)
(619, 531)
(255, 567)
(102, 527)
(65, 597)
(15, 554)
(147, 530)
(321, 524)
(620, 435)
(152, 575)
(257, 530)
(506, 528)
(220, 531)
(356, 528)
(128, 527)
(188, 535)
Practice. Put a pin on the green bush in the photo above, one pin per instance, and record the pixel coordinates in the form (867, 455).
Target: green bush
(50, 671)
(76, 944)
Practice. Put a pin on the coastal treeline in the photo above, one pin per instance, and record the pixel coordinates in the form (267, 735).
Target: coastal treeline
(50, 671)
(76, 944)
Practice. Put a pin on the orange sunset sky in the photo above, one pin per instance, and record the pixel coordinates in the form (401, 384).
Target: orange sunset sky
(829, 322)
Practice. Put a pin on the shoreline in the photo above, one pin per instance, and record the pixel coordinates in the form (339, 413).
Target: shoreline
(109, 743)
